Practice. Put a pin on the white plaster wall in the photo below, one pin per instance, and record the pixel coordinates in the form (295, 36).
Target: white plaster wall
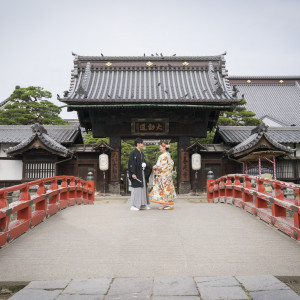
(4, 147)
(11, 169)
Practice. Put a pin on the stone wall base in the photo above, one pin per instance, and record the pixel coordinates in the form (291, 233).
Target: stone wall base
(114, 188)
(184, 188)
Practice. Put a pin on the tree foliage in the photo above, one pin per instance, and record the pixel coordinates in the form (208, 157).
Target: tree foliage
(28, 106)
(29, 94)
(151, 152)
(240, 116)
(90, 140)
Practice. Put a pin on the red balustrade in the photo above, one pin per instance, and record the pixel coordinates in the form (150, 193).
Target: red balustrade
(261, 197)
(30, 210)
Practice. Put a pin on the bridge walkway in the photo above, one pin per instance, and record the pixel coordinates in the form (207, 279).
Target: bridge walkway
(107, 240)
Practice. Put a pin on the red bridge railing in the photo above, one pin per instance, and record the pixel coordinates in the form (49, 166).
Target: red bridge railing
(29, 210)
(264, 198)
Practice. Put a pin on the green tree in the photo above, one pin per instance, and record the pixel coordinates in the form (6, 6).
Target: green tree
(90, 140)
(207, 140)
(151, 152)
(28, 106)
(240, 116)
(126, 147)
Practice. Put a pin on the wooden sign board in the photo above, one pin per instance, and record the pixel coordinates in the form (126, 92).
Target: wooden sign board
(144, 127)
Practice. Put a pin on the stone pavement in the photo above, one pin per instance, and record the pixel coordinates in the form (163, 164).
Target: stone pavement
(265, 287)
(108, 240)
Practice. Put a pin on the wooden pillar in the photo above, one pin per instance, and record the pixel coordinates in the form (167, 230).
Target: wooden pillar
(183, 176)
(115, 165)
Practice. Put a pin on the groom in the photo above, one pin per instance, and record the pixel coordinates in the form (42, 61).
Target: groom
(139, 174)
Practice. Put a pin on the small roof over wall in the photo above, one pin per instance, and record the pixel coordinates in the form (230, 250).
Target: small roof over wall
(103, 147)
(39, 139)
(196, 147)
(259, 143)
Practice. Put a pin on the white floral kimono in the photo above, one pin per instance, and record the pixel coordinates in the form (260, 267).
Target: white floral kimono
(163, 190)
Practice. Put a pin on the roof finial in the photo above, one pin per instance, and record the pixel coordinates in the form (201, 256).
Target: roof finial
(38, 128)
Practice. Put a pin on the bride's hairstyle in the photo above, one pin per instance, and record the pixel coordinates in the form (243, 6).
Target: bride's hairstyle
(165, 145)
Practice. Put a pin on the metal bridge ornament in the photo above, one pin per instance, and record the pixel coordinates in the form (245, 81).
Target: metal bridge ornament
(108, 64)
(149, 63)
(185, 63)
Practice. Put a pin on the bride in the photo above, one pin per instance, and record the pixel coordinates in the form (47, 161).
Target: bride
(163, 190)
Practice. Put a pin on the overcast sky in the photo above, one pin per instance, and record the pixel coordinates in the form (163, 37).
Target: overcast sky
(261, 37)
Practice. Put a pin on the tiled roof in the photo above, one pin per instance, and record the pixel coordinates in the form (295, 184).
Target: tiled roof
(40, 133)
(237, 134)
(257, 134)
(63, 134)
(153, 79)
(279, 101)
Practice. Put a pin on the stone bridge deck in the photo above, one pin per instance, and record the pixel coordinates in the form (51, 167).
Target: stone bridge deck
(109, 240)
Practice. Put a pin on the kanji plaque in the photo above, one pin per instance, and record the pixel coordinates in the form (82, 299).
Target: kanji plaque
(145, 127)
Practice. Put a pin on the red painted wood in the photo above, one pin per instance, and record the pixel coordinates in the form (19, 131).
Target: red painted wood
(272, 208)
(45, 203)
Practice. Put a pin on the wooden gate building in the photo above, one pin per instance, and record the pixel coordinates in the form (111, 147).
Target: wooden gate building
(152, 97)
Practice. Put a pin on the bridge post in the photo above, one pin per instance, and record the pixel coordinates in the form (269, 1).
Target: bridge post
(229, 189)
(4, 221)
(260, 202)
(222, 197)
(296, 214)
(91, 182)
(40, 205)
(209, 179)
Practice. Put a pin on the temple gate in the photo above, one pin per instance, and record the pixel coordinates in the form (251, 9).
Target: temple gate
(162, 97)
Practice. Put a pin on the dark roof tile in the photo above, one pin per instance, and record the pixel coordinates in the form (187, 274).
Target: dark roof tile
(63, 134)
(149, 79)
(237, 134)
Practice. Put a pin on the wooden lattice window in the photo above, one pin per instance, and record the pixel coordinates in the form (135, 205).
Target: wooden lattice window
(38, 170)
(285, 169)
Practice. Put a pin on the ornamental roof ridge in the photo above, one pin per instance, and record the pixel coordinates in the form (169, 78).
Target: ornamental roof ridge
(156, 58)
(264, 77)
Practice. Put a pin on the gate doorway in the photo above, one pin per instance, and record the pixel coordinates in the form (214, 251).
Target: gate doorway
(151, 152)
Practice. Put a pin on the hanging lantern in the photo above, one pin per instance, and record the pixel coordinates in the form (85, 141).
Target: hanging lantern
(103, 162)
(196, 161)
